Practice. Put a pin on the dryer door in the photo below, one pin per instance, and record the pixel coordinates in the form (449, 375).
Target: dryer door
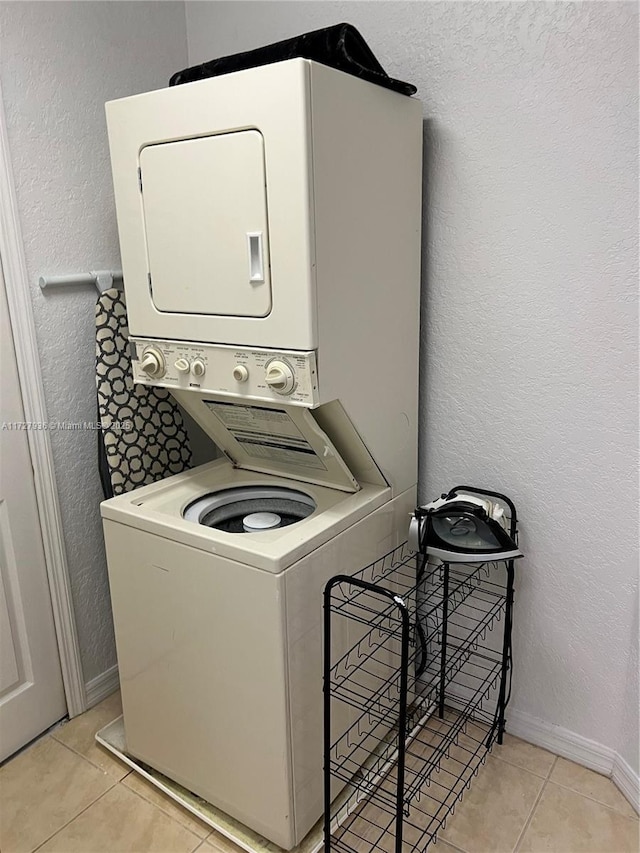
(206, 225)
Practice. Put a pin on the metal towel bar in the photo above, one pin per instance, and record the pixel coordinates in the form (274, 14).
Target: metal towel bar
(100, 279)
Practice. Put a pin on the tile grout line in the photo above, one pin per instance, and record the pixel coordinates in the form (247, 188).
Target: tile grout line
(528, 770)
(199, 841)
(548, 778)
(199, 846)
(534, 807)
(169, 817)
(89, 761)
(586, 796)
(543, 779)
(449, 844)
(170, 801)
(593, 800)
(81, 812)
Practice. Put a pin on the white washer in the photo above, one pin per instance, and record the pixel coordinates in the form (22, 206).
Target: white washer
(219, 637)
(269, 224)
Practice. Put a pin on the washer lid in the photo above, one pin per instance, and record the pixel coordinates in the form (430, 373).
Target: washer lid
(271, 439)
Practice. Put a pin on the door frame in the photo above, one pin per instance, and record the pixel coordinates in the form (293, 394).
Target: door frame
(21, 317)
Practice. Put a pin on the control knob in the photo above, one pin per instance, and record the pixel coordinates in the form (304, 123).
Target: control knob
(182, 365)
(152, 362)
(240, 373)
(198, 367)
(280, 377)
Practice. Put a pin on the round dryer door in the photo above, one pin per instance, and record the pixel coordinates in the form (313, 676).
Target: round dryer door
(250, 509)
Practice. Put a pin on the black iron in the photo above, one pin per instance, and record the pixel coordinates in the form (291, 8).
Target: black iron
(459, 530)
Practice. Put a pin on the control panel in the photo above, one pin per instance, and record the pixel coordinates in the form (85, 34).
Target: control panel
(286, 376)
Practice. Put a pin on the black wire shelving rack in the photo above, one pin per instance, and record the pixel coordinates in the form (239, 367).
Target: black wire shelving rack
(416, 681)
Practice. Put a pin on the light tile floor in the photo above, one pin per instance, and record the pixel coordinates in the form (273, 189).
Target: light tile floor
(65, 794)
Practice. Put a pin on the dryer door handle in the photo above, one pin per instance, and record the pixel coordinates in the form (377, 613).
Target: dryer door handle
(256, 257)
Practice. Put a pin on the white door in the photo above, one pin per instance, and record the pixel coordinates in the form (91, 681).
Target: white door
(31, 689)
(205, 215)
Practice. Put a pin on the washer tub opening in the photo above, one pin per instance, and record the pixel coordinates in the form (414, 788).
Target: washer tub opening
(250, 509)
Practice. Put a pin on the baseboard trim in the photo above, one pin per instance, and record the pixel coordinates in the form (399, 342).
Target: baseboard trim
(627, 781)
(576, 748)
(563, 742)
(102, 685)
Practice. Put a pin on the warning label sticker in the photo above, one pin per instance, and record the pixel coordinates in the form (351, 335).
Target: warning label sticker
(268, 434)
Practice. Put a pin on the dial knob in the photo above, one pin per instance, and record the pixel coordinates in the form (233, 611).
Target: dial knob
(182, 365)
(152, 362)
(198, 367)
(240, 373)
(280, 377)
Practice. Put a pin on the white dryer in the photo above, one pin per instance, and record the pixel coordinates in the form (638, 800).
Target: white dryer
(269, 223)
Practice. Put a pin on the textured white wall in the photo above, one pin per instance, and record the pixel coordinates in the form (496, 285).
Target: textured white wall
(530, 324)
(59, 63)
(530, 321)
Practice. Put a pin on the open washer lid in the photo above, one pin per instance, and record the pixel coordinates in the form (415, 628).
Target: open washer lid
(285, 441)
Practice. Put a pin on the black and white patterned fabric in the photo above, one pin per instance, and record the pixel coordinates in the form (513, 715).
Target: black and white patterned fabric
(143, 437)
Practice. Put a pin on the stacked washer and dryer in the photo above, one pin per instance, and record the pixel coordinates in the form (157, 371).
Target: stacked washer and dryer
(269, 225)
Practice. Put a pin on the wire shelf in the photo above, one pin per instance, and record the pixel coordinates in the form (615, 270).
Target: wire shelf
(370, 823)
(415, 686)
